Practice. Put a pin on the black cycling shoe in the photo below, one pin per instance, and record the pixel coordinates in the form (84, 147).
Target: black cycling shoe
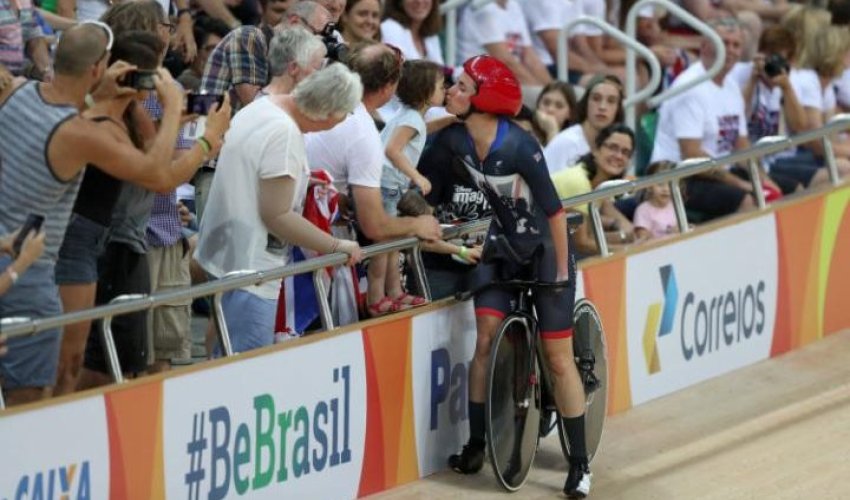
(578, 480)
(468, 461)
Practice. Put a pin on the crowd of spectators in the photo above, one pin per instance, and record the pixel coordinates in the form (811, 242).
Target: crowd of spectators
(333, 102)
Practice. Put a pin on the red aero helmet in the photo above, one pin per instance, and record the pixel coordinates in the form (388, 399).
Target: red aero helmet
(499, 92)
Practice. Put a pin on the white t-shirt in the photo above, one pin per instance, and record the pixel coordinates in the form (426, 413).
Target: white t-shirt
(491, 24)
(766, 106)
(842, 89)
(351, 152)
(263, 143)
(392, 177)
(566, 148)
(592, 8)
(394, 33)
(807, 85)
(714, 114)
(544, 15)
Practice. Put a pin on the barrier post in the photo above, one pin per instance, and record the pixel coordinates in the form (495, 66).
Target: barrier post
(755, 178)
(679, 206)
(419, 272)
(831, 165)
(598, 230)
(322, 299)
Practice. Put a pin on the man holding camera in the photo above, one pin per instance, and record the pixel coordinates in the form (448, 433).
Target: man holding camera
(709, 121)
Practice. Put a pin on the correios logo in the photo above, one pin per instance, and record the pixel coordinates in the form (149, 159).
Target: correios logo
(707, 325)
(659, 320)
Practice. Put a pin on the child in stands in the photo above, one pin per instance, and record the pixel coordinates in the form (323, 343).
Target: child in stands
(655, 217)
(421, 87)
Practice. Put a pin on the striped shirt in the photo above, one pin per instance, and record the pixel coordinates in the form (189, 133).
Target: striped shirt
(28, 184)
(16, 29)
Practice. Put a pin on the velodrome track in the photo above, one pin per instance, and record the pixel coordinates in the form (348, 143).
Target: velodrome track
(777, 429)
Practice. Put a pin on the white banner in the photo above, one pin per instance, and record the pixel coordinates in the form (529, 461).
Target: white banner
(286, 425)
(443, 344)
(701, 307)
(61, 451)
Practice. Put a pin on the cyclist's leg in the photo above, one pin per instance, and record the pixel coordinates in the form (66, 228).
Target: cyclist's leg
(491, 306)
(555, 318)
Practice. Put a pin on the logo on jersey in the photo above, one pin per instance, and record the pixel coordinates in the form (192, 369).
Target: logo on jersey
(659, 320)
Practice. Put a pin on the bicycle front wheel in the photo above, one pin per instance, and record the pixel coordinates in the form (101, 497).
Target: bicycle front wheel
(589, 339)
(513, 403)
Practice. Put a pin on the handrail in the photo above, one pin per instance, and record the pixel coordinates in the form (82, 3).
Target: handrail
(629, 41)
(449, 9)
(687, 18)
(16, 326)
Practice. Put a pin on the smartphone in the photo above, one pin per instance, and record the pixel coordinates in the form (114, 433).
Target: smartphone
(200, 104)
(33, 223)
(140, 80)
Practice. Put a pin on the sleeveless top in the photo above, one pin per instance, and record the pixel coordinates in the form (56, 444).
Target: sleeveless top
(99, 191)
(28, 184)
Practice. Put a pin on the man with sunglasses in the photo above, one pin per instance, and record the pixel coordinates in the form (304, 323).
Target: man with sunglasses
(46, 145)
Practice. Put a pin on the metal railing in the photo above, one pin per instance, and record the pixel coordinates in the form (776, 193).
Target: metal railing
(629, 41)
(690, 20)
(14, 327)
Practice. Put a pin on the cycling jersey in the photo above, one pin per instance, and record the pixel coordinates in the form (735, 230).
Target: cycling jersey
(514, 170)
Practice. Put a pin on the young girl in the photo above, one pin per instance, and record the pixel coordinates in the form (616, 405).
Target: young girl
(655, 217)
(421, 86)
(557, 101)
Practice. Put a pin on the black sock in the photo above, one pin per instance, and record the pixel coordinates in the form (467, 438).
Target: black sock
(575, 436)
(476, 423)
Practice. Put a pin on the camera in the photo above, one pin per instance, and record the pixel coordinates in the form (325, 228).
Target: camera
(774, 65)
(140, 80)
(200, 104)
(337, 51)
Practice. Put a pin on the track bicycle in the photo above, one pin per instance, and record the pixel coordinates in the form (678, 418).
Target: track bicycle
(519, 397)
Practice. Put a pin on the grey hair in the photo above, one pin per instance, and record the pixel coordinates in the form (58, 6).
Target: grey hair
(332, 91)
(293, 44)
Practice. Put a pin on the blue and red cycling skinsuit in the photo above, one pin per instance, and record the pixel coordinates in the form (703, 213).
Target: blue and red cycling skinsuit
(515, 171)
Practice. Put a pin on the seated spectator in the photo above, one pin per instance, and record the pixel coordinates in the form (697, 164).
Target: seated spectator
(258, 192)
(609, 159)
(499, 29)
(43, 174)
(353, 155)
(600, 106)
(208, 33)
(294, 54)
(414, 27)
(557, 102)
(22, 39)
(420, 88)
(361, 21)
(773, 107)
(655, 217)
(545, 20)
(31, 250)
(823, 63)
(708, 121)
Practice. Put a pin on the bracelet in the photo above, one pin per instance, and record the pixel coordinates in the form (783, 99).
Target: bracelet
(12, 274)
(464, 252)
(205, 145)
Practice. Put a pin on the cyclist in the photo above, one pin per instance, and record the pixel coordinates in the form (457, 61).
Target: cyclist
(486, 149)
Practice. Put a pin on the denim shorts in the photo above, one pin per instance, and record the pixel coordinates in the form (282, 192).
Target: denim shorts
(83, 244)
(250, 320)
(390, 196)
(32, 360)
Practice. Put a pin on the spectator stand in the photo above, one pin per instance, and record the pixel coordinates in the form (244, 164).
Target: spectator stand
(631, 63)
(16, 326)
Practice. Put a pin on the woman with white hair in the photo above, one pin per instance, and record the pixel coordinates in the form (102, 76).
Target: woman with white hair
(254, 213)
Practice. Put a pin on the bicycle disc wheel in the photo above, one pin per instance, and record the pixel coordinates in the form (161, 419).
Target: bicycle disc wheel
(513, 403)
(589, 334)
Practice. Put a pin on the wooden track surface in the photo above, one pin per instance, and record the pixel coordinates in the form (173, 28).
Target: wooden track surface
(778, 429)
